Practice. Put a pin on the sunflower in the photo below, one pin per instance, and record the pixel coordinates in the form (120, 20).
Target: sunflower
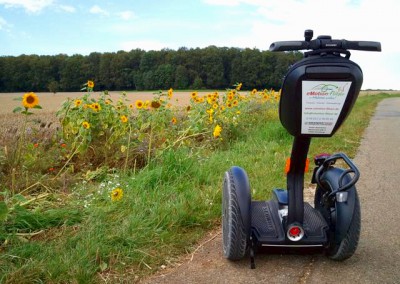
(155, 104)
(235, 103)
(217, 131)
(77, 102)
(173, 120)
(95, 107)
(170, 93)
(116, 194)
(253, 92)
(107, 102)
(139, 104)
(131, 106)
(239, 86)
(30, 100)
(194, 95)
(90, 84)
(86, 125)
(230, 96)
(124, 119)
(215, 106)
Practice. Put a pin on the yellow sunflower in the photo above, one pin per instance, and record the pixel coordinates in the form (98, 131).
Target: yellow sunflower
(116, 194)
(239, 86)
(194, 95)
(173, 120)
(131, 106)
(77, 102)
(124, 119)
(30, 100)
(170, 93)
(86, 125)
(139, 104)
(96, 107)
(253, 92)
(90, 84)
(217, 131)
(235, 103)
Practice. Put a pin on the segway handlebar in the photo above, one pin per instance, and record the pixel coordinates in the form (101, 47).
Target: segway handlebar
(324, 42)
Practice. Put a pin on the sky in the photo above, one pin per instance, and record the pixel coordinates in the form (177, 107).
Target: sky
(49, 27)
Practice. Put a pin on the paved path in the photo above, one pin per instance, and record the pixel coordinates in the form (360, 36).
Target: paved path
(377, 259)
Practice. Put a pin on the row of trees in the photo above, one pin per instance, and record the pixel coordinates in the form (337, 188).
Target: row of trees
(210, 68)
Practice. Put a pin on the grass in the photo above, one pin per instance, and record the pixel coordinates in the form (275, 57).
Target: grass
(80, 237)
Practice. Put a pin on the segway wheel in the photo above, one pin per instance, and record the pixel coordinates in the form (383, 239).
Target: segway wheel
(346, 248)
(235, 232)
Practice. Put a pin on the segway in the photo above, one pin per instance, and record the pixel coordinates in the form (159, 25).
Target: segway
(317, 95)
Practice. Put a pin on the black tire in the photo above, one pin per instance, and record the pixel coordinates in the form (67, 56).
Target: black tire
(346, 248)
(234, 233)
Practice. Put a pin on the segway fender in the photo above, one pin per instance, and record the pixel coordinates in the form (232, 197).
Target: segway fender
(243, 194)
(343, 214)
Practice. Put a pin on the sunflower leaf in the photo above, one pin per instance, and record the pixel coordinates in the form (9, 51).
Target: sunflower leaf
(17, 109)
(37, 106)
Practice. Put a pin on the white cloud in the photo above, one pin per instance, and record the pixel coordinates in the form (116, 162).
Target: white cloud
(3, 24)
(32, 6)
(69, 9)
(222, 2)
(143, 44)
(97, 10)
(126, 15)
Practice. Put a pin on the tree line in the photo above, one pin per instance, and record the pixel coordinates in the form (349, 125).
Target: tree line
(199, 68)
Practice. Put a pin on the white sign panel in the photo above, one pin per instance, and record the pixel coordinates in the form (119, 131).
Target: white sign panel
(322, 102)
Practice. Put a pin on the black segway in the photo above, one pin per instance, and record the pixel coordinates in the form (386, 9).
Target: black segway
(317, 95)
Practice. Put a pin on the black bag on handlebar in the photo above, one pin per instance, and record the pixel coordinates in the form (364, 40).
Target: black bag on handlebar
(318, 93)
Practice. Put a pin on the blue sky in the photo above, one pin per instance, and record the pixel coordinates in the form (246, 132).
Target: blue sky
(72, 26)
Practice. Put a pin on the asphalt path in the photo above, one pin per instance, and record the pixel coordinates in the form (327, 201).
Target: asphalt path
(377, 259)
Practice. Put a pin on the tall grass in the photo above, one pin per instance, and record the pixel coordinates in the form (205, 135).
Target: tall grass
(83, 237)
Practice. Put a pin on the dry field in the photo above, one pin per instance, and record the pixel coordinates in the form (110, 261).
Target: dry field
(46, 119)
(52, 102)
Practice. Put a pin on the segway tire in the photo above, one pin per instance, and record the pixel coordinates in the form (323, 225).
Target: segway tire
(235, 237)
(346, 248)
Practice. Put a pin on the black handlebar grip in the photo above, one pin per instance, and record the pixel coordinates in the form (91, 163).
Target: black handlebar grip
(362, 45)
(288, 45)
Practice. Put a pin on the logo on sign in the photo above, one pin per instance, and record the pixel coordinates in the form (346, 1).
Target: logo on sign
(321, 90)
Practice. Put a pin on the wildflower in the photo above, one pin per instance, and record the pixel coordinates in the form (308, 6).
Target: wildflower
(239, 86)
(235, 103)
(77, 102)
(63, 145)
(170, 93)
(194, 95)
(86, 125)
(217, 131)
(30, 100)
(229, 104)
(35, 145)
(230, 96)
(253, 92)
(222, 108)
(155, 104)
(96, 107)
(117, 194)
(124, 119)
(173, 121)
(215, 106)
(200, 100)
(90, 84)
(131, 106)
(139, 104)
(107, 102)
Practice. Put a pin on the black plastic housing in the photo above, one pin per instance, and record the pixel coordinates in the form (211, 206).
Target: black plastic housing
(328, 69)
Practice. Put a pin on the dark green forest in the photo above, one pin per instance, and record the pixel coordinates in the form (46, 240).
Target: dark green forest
(200, 68)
